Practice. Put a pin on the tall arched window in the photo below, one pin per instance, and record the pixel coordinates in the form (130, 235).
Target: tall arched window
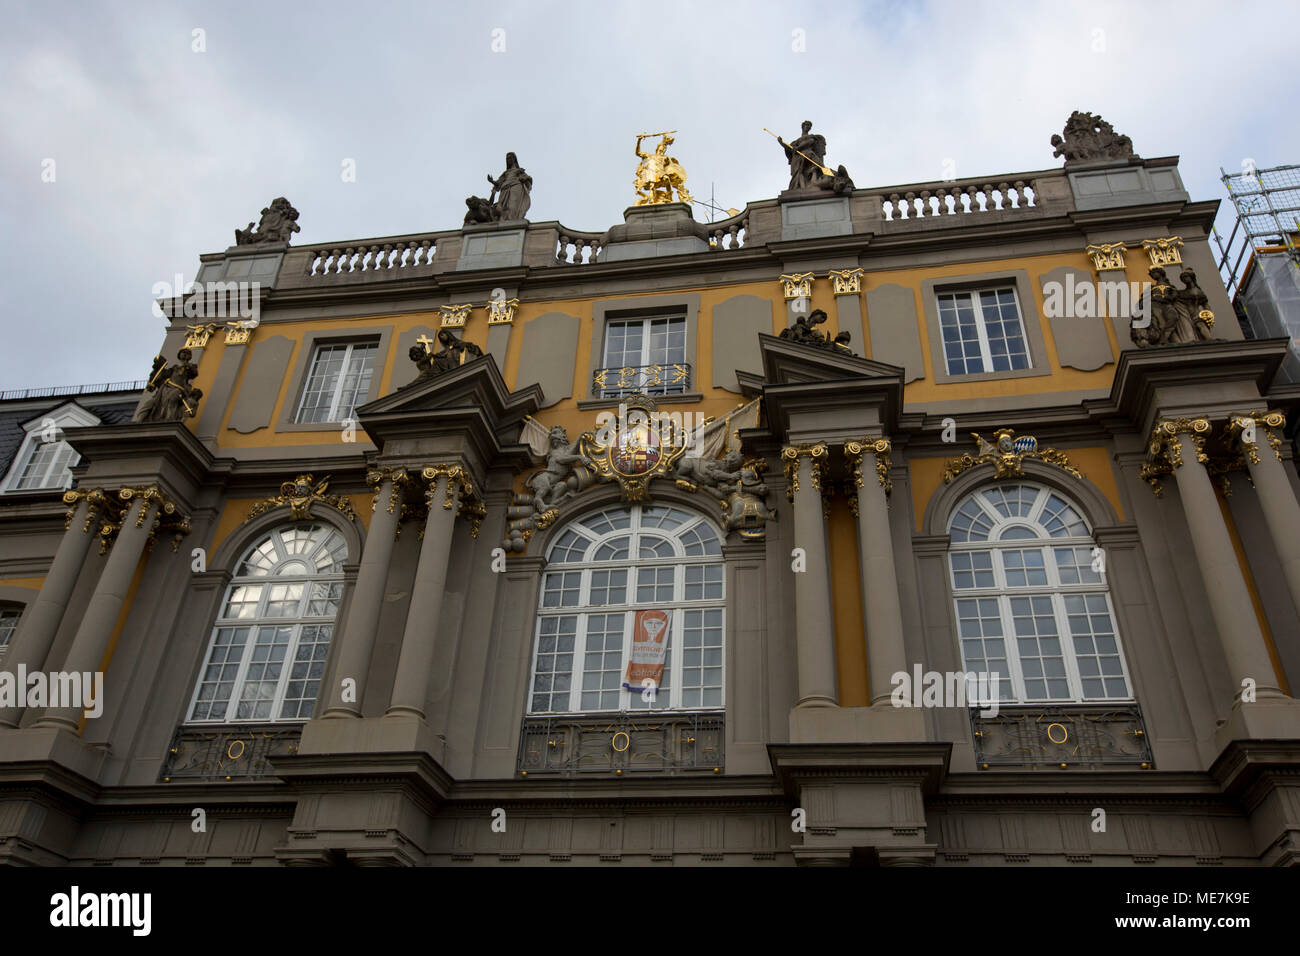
(601, 570)
(279, 610)
(1031, 597)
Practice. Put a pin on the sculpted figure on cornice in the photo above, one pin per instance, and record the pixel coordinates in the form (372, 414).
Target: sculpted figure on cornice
(1177, 316)
(169, 394)
(279, 222)
(568, 470)
(806, 156)
(510, 197)
(1088, 136)
(453, 354)
(805, 332)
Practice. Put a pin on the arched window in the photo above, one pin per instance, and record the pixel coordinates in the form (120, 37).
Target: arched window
(279, 610)
(604, 568)
(1031, 597)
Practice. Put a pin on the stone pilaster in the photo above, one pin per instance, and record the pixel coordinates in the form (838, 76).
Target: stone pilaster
(358, 639)
(814, 633)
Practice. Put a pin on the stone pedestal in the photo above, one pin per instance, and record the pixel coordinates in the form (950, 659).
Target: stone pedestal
(495, 245)
(811, 214)
(667, 229)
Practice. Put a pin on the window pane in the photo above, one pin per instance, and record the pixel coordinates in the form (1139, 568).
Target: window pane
(602, 666)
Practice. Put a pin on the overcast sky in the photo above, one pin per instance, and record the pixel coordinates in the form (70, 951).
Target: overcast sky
(160, 151)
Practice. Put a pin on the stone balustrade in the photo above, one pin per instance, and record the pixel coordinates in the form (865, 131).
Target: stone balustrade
(727, 234)
(389, 258)
(577, 248)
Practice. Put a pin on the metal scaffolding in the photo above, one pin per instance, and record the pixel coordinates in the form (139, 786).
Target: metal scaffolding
(1268, 217)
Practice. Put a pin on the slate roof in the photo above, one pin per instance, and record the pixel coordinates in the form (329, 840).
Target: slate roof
(111, 408)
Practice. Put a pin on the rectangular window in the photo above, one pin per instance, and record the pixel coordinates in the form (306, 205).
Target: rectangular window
(339, 380)
(644, 355)
(48, 465)
(982, 331)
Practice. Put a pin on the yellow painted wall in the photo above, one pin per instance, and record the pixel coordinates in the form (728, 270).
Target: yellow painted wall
(34, 583)
(846, 602)
(234, 513)
(715, 401)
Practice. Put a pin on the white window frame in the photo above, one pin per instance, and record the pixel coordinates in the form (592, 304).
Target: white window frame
(67, 415)
(645, 321)
(982, 330)
(631, 700)
(335, 410)
(12, 612)
(259, 620)
(1054, 589)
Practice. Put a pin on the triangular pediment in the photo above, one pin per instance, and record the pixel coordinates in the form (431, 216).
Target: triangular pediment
(476, 384)
(789, 363)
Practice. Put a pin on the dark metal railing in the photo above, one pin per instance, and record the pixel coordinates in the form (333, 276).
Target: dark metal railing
(51, 391)
(228, 751)
(1088, 735)
(668, 379)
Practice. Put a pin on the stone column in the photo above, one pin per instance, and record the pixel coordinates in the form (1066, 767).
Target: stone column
(1276, 498)
(814, 634)
(1225, 587)
(419, 640)
(91, 641)
(883, 611)
(41, 622)
(358, 640)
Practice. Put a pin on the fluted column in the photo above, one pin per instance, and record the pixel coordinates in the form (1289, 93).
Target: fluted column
(1276, 496)
(814, 634)
(1225, 587)
(41, 621)
(420, 639)
(91, 641)
(358, 639)
(883, 610)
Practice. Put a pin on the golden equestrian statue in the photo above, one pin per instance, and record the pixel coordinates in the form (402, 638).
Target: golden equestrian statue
(658, 174)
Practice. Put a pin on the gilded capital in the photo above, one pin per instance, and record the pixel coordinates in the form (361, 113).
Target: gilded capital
(790, 456)
(399, 479)
(1106, 256)
(1164, 252)
(846, 281)
(1244, 427)
(797, 286)
(878, 447)
(1165, 448)
(454, 316)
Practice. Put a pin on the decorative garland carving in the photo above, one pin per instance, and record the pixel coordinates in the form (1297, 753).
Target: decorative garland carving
(1006, 454)
(300, 494)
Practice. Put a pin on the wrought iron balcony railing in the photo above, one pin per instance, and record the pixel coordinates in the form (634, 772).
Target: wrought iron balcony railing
(228, 751)
(672, 379)
(664, 742)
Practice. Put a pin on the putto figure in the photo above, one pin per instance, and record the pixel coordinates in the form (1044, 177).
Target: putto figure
(1088, 136)
(169, 396)
(659, 175)
(279, 222)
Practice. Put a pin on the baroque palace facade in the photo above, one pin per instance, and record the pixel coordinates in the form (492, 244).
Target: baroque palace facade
(379, 577)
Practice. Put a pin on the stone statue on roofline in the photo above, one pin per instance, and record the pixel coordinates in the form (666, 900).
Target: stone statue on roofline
(806, 156)
(169, 395)
(1089, 137)
(278, 223)
(805, 332)
(509, 199)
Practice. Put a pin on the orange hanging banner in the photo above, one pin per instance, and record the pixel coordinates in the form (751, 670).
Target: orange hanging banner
(649, 648)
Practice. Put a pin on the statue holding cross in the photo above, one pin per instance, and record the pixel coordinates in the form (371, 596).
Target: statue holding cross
(453, 354)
